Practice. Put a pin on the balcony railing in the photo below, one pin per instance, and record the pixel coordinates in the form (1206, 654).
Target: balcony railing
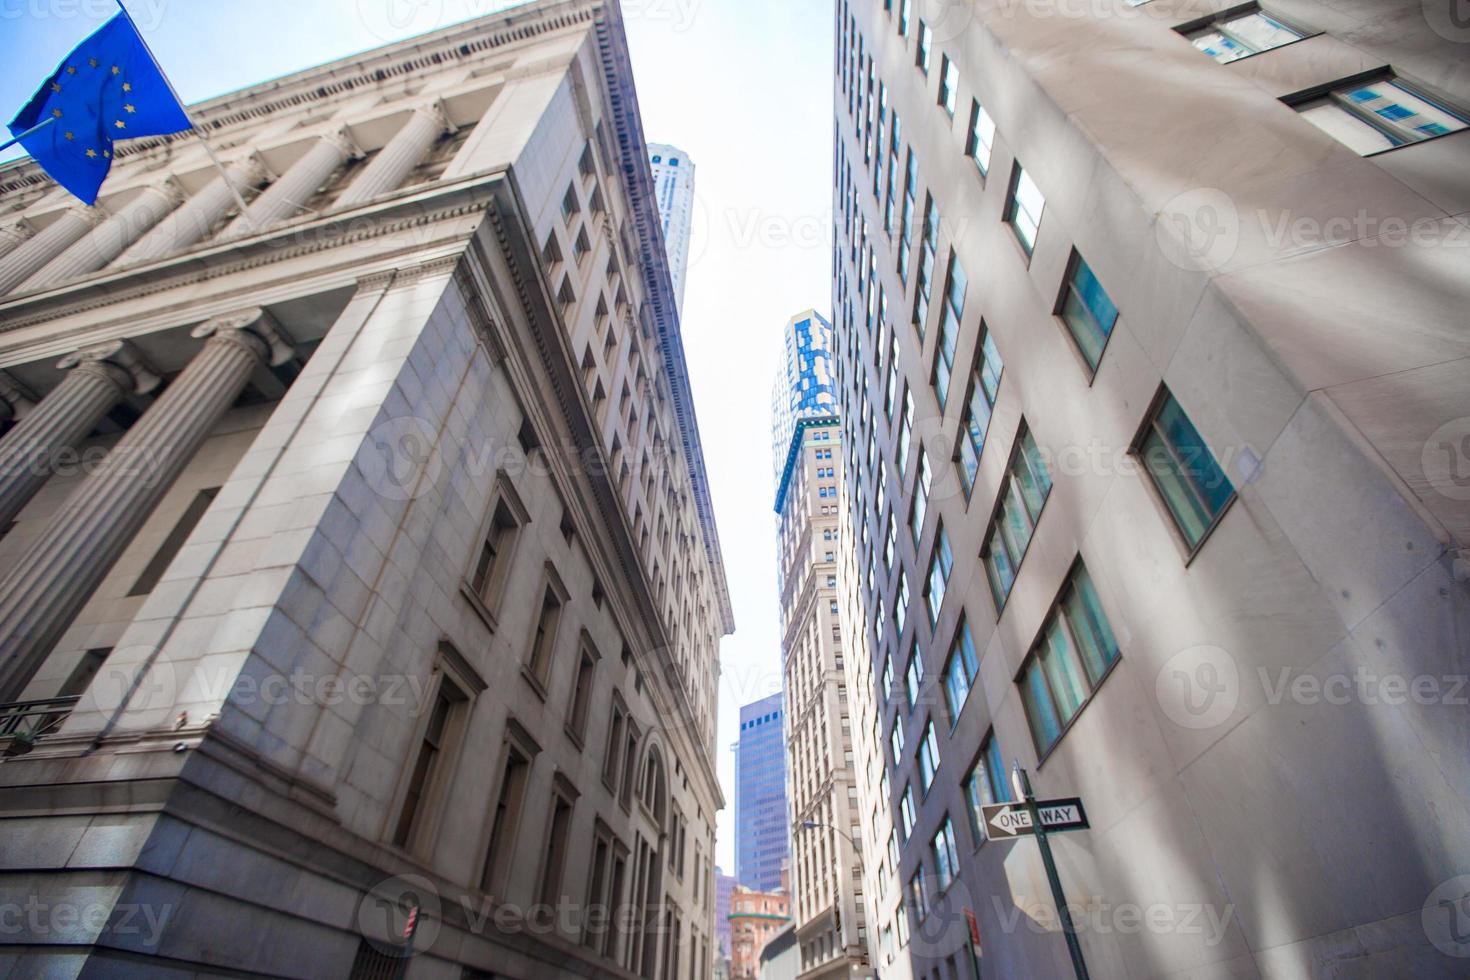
(24, 723)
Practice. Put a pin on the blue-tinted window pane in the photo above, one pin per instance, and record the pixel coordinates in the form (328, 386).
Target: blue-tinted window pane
(1045, 729)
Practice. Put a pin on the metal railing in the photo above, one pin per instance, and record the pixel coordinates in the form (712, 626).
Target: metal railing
(23, 723)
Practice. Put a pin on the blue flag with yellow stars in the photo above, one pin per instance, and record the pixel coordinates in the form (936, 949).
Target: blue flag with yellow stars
(107, 89)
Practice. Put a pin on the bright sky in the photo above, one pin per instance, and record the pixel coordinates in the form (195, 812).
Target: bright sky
(744, 87)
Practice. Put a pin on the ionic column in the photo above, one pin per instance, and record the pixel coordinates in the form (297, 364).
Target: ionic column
(13, 235)
(192, 221)
(97, 379)
(297, 185)
(42, 593)
(15, 400)
(106, 241)
(45, 245)
(405, 151)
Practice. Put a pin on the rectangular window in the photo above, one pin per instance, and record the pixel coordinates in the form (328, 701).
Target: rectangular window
(497, 552)
(905, 433)
(895, 741)
(921, 499)
(919, 895)
(949, 84)
(940, 566)
(1022, 495)
(614, 746)
(986, 784)
(582, 694)
(928, 248)
(979, 407)
(543, 639)
(1234, 35)
(1185, 472)
(928, 758)
(904, 11)
(1380, 114)
(906, 811)
(1087, 310)
(910, 190)
(901, 605)
(887, 686)
(1076, 649)
(509, 803)
(1023, 208)
(429, 772)
(946, 855)
(926, 41)
(981, 140)
(174, 542)
(554, 861)
(960, 672)
(956, 284)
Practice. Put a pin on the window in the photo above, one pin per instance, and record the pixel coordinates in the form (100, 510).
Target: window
(959, 672)
(554, 861)
(982, 137)
(1024, 207)
(949, 84)
(895, 741)
(569, 204)
(904, 11)
(1183, 469)
(497, 552)
(581, 247)
(1075, 652)
(986, 784)
(543, 638)
(928, 248)
(174, 542)
(926, 41)
(1087, 310)
(905, 433)
(1239, 33)
(921, 499)
(1379, 114)
(906, 810)
(582, 694)
(940, 566)
(430, 770)
(614, 745)
(928, 758)
(919, 894)
(979, 407)
(949, 327)
(1022, 496)
(887, 685)
(946, 855)
(506, 819)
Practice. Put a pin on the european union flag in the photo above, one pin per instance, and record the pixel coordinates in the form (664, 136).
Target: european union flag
(109, 88)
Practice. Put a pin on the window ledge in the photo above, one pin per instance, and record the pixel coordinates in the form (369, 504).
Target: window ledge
(478, 605)
(535, 682)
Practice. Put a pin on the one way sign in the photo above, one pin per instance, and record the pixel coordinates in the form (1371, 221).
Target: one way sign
(1007, 821)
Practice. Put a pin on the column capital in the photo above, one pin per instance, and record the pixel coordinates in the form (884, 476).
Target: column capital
(341, 138)
(92, 214)
(256, 324)
(17, 231)
(433, 110)
(120, 361)
(170, 190)
(251, 169)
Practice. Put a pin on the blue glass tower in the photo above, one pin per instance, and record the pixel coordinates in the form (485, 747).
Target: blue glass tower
(762, 845)
(805, 386)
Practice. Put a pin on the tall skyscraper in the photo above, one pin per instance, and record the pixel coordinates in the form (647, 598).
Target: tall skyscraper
(362, 604)
(673, 188)
(1156, 414)
(826, 868)
(804, 386)
(762, 845)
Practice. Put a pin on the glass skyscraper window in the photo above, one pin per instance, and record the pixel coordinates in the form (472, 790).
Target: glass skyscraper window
(1378, 115)
(1076, 649)
(1243, 33)
(1088, 311)
(1024, 207)
(1184, 470)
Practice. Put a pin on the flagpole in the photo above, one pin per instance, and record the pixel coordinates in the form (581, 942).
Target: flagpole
(239, 200)
(30, 132)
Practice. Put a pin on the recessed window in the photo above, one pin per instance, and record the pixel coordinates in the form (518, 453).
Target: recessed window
(906, 810)
(581, 247)
(946, 855)
(1022, 496)
(582, 693)
(986, 785)
(956, 284)
(919, 894)
(1187, 475)
(960, 672)
(570, 206)
(913, 678)
(940, 567)
(1087, 310)
(928, 758)
(982, 137)
(926, 41)
(431, 768)
(1380, 114)
(1076, 649)
(949, 84)
(497, 552)
(554, 861)
(921, 499)
(1023, 208)
(905, 10)
(895, 741)
(979, 407)
(543, 639)
(928, 248)
(509, 803)
(1242, 32)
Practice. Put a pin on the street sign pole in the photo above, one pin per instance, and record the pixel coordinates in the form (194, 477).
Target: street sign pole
(1073, 946)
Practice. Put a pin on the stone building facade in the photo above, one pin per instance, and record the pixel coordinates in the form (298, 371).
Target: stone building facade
(1150, 321)
(360, 575)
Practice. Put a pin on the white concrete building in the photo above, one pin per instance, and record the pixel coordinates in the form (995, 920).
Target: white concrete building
(358, 564)
(673, 183)
(1152, 367)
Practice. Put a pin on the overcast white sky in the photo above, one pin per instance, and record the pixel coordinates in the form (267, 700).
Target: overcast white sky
(744, 87)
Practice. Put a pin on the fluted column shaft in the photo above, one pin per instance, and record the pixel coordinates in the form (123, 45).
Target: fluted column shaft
(13, 236)
(106, 241)
(45, 245)
(405, 151)
(91, 388)
(289, 194)
(191, 222)
(42, 593)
